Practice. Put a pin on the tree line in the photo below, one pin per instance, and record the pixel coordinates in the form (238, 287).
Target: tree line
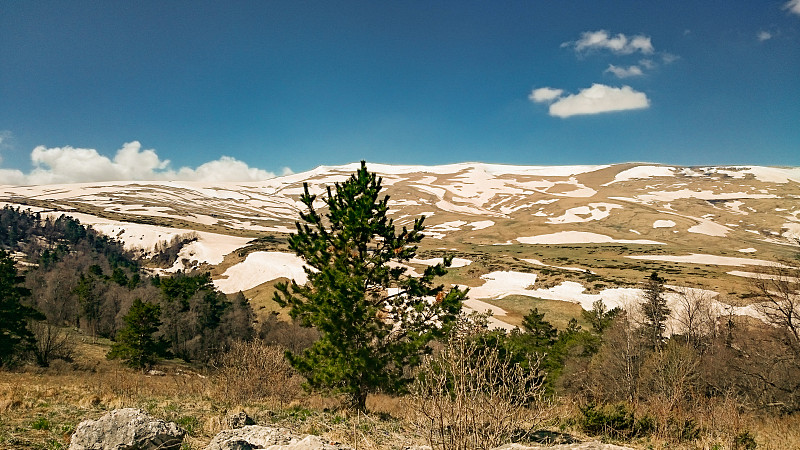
(63, 274)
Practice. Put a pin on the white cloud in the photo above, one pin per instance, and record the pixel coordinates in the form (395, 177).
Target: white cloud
(669, 58)
(793, 6)
(130, 163)
(622, 72)
(545, 94)
(764, 35)
(619, 44)
(647, 63)
(599, 99)
(10, 176)
(224, 169)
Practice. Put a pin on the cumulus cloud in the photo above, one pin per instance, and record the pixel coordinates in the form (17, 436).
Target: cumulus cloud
(545, 94)
(130, 163)
(764, 35)
(619, 44)
(598, 99)
(625, 72)
(793, 6)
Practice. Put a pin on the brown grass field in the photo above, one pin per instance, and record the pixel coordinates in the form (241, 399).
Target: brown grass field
(40, 408)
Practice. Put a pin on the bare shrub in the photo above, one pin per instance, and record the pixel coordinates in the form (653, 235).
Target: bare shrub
(771, 358)
(613, 373)
(472, 396)
(290, 335)
(254, 371)
(696, 316)
(52, 342)
(669, 375)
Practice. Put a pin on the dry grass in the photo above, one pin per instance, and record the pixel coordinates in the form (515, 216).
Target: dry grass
(558, 313)
(40, 410)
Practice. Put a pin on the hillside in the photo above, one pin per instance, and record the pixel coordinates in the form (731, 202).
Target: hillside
(565, 235)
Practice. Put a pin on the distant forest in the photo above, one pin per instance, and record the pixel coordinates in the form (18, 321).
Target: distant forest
(80, 278)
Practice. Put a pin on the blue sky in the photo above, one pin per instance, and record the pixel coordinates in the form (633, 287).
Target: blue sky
(96, 90)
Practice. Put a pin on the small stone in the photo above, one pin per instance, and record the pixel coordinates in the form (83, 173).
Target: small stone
(239, 420)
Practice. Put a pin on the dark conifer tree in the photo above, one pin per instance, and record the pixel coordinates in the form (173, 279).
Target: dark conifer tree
(137, 343)
(374, 319)
(15, 336)
(655, 311)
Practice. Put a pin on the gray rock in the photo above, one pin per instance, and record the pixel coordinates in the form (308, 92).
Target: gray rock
(592, 445)
(127, 429)
(258, 437)
(239, 420)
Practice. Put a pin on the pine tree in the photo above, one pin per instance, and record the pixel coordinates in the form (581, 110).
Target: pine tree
(136, 343)
(373, 318)
(15, 336)
(540, 332)
(655, 311)
(599, 317)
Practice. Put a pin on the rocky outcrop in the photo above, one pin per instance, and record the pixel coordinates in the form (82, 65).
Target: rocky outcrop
(133, 429)
(593, 445)
(254, 437)
(127, 429)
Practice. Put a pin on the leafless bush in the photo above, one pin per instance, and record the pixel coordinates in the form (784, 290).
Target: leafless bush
(613, 373)
(773, 363)
(254, 371)
(52, 342)
(290, 335)
(471, 396)
(669, 375)
(696, 316)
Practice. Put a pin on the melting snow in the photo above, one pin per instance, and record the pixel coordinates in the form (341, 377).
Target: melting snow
(595, 211)
(580, 237)
(642, 172)
(709, 228)
(260, 267)
(457, 262)
(481, 224)
(502, 284)
(696, 258)
(664, 224)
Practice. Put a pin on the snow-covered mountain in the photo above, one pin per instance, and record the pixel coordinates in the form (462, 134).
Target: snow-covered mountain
(574, 233)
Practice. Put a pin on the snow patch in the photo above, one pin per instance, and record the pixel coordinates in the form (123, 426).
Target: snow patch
(580, 237)
(502, 284)
(643, 172)
(260, 267)
(696, 258)
(457, 262)
(709, 228)
(480, 225)
(664, 224)
(594, 211)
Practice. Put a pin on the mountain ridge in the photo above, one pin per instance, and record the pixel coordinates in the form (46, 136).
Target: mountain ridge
(594, 217)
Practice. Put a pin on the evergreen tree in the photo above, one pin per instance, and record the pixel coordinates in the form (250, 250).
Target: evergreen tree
(88, 299)
(374, 319)
(15, 336)
(655, 311)
(599, 317)
(540, 333)
(136, 342)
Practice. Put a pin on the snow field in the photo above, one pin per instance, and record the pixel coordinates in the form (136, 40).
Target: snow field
(695, 258)
(580, 237)
(260, 267)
